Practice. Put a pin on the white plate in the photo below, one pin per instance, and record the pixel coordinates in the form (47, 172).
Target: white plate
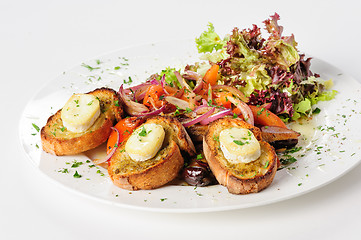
(331, 148)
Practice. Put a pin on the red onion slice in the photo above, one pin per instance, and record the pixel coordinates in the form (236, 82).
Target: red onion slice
(163, 83)
(153, 113)
(244, 108)
(194, 76)
(99, 161)
(216, 116)
(232, 90)
(181, 81)
(131, 107)
(198, 119)
(182, 104)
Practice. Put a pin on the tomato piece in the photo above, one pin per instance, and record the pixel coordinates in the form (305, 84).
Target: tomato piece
(222, 99)
(125, 127)
(152, 95)
(211, 75)
(265, 117)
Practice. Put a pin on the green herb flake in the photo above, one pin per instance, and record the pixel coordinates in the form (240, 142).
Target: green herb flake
(90, 68)
(143, 133)
(116, 68)
(239, 142)
(64, 170)
(199, 157)
(316, 111)
(77, 175)
(36, 127)
(116, 103)
(163, 199)
(76, 164)
(266, 165)
(129, 80)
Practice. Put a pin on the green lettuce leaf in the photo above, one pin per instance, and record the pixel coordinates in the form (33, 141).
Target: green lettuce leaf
(209, 41)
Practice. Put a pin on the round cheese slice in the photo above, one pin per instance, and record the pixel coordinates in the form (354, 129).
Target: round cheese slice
(239, 145)
(80, 112)
(145, 142)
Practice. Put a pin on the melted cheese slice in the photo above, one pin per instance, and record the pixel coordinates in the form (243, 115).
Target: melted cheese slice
(145, 142)
(80, 112)
(239, 145)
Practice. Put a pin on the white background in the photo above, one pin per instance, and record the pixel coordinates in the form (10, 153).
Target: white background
(41, 39)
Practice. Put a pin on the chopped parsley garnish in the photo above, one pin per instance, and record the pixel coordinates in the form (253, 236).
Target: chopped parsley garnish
(199, 157)
(89, 67)
(316, 111)
(129, 80)
(76, 164)
(77, 175)
(36, 127)
(64, 170)
(116, 68)
(266, 165)
(116, 103)
(239, 142)
(143, 133)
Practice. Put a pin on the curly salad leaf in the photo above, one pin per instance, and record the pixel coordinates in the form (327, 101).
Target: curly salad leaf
(271, 72)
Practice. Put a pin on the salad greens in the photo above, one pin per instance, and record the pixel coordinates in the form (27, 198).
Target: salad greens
(271, 72)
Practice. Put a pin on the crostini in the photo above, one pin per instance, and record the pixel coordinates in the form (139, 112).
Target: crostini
(238, 157)
(151, 156)
(83, 123)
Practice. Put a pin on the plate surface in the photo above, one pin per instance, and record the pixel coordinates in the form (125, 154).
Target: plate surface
(331, 144)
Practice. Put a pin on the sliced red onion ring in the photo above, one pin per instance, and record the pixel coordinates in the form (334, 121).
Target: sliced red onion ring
(181, 81)
(99, 161)
(162, 82)
(244, 108)
(216, 116)
(137, 87)
(197, 77)
(232, 90)
(153, 113)
(182, 104)
(154, 82)
(198, 119)
(131, 107)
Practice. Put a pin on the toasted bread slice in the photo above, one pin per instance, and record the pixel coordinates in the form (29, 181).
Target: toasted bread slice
(157, 171)
(56, 139)
(240, 178)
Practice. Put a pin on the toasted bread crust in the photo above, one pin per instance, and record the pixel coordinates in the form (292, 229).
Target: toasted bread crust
(155, 176)
(57, 140)
(161, 169)
(226, 176)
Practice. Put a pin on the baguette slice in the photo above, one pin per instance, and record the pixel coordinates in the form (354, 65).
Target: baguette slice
(157, 171)
(240, 178)
(56, 139)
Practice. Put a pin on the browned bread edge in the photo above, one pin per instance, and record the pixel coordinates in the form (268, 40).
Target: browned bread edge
(89, 139)
(236, 184)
